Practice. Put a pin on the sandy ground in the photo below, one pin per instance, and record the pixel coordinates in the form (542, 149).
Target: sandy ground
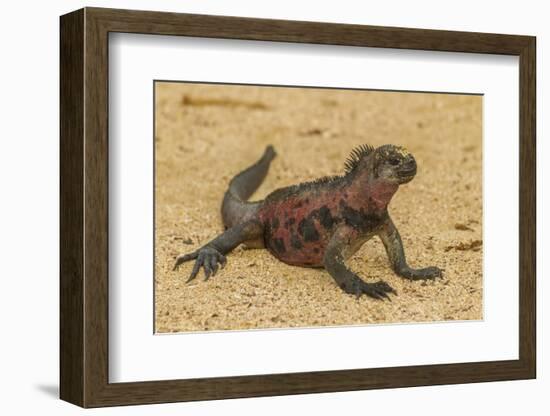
(205, 134)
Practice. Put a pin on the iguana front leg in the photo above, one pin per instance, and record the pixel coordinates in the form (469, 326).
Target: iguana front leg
(211, 254)
(348, 281)
(396, 254)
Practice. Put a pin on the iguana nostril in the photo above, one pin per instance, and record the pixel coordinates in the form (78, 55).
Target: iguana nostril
(409, 164)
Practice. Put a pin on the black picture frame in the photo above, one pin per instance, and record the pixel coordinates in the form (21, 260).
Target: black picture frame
(84, 207)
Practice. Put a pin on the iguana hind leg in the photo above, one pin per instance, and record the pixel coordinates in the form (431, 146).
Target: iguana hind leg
(212, 255)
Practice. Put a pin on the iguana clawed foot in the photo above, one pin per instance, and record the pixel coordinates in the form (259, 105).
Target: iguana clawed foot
(378, 290)
(428, 273)
(207, 257)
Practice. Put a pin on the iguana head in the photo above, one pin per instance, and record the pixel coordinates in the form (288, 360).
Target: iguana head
(394, 164)
(390, 163)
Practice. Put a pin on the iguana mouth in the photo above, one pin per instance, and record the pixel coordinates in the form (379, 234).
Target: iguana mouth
(407, 174)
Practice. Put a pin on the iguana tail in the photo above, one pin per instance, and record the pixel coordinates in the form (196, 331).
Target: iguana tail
(235, 208)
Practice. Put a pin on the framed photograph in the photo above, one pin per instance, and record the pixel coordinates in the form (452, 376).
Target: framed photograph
(254, 207)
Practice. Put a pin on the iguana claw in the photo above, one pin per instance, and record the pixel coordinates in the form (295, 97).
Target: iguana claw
(207, 257)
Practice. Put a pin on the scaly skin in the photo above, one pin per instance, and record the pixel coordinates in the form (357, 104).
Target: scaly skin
(321, 223)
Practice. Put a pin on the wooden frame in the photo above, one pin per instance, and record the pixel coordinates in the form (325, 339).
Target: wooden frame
(84, 207)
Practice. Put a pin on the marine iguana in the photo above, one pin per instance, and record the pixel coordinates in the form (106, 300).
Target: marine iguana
(320, 223)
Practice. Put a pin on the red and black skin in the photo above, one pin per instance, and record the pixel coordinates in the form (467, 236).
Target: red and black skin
(320, 223)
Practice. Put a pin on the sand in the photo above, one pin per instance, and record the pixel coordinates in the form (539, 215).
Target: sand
(205, 134)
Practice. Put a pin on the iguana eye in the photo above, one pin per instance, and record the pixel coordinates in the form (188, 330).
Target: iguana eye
(393, 162)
